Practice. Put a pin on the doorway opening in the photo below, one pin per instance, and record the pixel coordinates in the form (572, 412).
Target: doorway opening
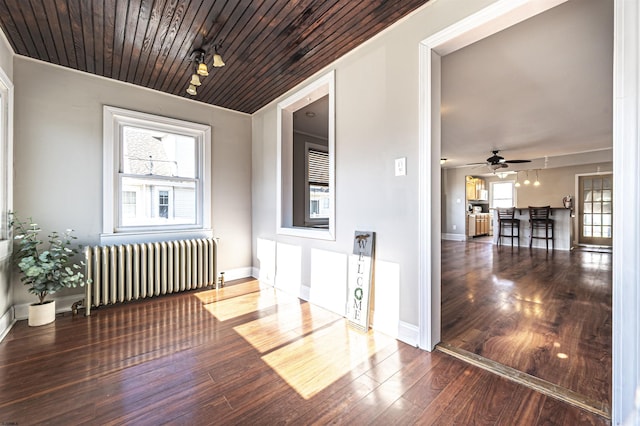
(532, 303)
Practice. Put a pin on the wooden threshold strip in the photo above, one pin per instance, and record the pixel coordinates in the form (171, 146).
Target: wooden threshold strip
(534, 383)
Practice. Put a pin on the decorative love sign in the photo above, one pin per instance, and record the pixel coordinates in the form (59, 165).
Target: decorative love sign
(359, 280)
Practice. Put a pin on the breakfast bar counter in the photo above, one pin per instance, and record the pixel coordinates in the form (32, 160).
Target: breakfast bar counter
(561, 229)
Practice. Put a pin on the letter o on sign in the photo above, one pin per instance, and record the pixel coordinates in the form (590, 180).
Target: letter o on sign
(358, 293)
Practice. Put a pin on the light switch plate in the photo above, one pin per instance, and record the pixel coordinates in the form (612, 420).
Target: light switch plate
(401, 166)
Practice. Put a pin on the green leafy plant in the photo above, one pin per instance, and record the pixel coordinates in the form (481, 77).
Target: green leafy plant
(46, 269)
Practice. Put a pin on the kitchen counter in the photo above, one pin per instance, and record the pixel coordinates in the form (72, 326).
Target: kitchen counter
(561, 229)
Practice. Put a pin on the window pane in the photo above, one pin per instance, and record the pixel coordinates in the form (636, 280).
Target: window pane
(597, 231)
(150, 152)
(319, 202)
(159, 202)
(606, 219)
(606, 231)
(586, 231)
(606, 195)
(606, 207)
(129, 204)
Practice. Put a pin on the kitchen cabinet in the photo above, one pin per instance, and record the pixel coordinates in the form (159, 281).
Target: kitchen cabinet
(476, 189)
(479, 224)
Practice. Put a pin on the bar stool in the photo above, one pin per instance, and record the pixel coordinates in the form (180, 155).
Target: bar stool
(506, 221)
(539, 220)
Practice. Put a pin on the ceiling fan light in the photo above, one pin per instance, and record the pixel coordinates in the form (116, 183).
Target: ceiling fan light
(192, 90)
(202, 69)
(217, 61)
(195, 80)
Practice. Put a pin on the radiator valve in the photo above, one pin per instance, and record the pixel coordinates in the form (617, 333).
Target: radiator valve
(221, 280)
(75, 306)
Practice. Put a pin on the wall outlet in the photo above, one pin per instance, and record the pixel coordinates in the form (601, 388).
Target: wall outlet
(454, 227)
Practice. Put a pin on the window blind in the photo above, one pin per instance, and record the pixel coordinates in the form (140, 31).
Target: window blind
(318, 167)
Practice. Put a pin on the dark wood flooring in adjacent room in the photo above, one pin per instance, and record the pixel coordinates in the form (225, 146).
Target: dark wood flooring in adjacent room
(547, 314)
(245, 355)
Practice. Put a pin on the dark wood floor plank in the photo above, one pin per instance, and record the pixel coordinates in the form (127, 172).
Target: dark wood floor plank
(547, 314)
(244, 355)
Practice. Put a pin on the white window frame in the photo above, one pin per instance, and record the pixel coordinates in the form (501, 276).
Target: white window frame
(114, 119)
(513, 192)
(323, 86)
(6, 163)
(307, 195)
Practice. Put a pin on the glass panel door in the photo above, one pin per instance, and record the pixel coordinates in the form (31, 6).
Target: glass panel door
(595, 209)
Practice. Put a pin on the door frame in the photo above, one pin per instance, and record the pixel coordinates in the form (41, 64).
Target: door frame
(626, 167)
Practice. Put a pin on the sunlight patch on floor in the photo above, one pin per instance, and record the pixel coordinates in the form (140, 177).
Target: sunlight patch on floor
(317, 360)
(235, 307)
(278, 329)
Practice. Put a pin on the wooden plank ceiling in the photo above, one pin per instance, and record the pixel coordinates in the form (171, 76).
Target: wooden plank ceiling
(268, 46)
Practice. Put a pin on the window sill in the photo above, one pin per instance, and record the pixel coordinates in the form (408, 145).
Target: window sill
(153, 236)
(316, 233)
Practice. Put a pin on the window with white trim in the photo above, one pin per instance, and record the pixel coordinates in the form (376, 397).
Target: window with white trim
(156, 175)
(306, 209)
(317, 193)
(6, 161)
(502, 194)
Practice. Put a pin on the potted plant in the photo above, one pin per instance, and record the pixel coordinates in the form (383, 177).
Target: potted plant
(46, 269)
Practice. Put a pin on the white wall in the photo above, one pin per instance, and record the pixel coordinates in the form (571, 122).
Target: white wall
(6, 295)
(376, 122)
(58, 155)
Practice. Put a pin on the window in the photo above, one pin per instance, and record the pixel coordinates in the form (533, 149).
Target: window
(6, 160)
(306, 182)
(317, 185)
(163, 204)
(502, 194)
(158, 176)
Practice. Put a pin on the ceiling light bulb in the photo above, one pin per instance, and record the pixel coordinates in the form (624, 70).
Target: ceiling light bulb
(202, 69)
(527, 182)
(195, 80)
(517, 185)
(192, 90)
(536, 183)
(217, 61)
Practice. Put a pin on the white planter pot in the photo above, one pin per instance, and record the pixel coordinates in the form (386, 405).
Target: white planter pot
(42, 314)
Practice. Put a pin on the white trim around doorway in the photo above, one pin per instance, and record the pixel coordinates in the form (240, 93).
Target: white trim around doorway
(626, 161)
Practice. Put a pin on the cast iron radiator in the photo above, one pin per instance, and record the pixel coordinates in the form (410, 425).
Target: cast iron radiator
(127, 272)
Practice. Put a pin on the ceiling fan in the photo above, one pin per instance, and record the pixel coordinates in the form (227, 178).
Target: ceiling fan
(496, 161)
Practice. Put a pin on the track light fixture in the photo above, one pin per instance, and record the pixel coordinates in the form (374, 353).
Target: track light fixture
(201, 69)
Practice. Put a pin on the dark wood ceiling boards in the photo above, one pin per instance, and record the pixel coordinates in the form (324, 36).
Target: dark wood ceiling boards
(268, 46)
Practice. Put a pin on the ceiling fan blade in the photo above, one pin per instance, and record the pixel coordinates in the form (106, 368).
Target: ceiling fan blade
(517, 161)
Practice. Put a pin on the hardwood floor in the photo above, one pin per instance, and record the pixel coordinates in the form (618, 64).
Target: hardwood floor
(547, 314)
(245, 355)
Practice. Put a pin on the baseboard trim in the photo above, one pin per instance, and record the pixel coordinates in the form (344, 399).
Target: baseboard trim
(238, 273)
(534, 383)
(408, 333)
(453, 237)
(6, 322)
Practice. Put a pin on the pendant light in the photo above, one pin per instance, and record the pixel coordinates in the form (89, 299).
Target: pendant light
(537, 182)
(517, 184)
(527, 181)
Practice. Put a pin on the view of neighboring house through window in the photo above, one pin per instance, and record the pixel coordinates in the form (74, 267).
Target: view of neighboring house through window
(154, 165)
(502, 194)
